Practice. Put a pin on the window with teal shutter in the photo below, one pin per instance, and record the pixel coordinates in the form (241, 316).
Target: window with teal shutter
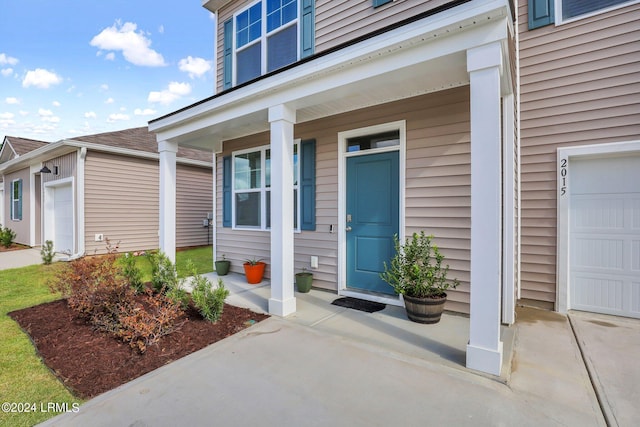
(308, 185)
(16, 200)
(307, 28)
(226, 191)
(540, 13)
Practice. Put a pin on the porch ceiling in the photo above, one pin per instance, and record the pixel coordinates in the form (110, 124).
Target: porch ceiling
(422, 57)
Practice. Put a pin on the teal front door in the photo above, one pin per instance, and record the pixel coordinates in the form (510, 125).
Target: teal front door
(372, 219)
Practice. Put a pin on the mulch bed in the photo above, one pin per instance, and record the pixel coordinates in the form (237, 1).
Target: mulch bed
(13, 247)
(90, 362)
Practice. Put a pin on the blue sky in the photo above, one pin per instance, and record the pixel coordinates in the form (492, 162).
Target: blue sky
(71, 67)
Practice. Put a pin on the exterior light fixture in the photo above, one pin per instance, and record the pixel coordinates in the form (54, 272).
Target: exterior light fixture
(45, 169)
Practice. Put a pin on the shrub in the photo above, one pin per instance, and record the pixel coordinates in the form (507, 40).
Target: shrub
(6, 236)
(132, 272)
(208, 301)
(163, 272)
(46, 252)
(98, 289)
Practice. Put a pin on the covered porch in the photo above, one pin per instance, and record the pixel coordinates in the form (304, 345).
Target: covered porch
(466, 46)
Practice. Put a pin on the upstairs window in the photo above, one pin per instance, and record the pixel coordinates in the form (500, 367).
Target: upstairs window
(266, 38)
(573, 9)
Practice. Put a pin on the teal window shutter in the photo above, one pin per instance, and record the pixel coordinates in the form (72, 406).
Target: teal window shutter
(19, 216)
(226, 191)
(377, 3)
(308, 185)
(307, 28)
(540, 13)
(228, 55)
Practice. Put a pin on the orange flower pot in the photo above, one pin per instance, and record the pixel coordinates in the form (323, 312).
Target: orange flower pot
(254, 273)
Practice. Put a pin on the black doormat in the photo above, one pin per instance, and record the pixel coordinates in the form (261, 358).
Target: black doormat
(359, 304)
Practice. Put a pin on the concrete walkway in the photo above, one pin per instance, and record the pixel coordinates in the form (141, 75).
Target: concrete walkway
(19, 258)
(330, 366)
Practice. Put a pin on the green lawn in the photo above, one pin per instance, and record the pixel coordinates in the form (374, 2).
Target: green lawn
(23, 376)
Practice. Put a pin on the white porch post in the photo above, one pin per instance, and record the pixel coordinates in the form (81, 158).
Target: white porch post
(282, 301)
(484, 351)
(509, 280)
(168, 152)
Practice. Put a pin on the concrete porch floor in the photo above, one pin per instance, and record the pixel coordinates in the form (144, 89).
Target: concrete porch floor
(387, 331)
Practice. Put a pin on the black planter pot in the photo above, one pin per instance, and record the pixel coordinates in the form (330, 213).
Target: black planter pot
(424, 310)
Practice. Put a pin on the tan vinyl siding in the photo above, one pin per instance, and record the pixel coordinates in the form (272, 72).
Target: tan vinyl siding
(336, 21)
(579, 86)
(194, 199)
(66, 167)
(437, 186)
(121, 202)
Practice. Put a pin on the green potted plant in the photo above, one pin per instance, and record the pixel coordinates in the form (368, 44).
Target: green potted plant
(254, 270)
(304, 279)
(416, 272)
(222, 266)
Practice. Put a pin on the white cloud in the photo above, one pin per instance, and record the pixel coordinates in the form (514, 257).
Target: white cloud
(48, 116)
(196, 67)
(6, 72)
(145, 112)
(7, 60)
(161, 29)
(135, 46)
(23, 113)
(174, 91)
(117, 117)
(110, 56)
(56, 104)
(109, 101)
(90, 115)
(41, 78)
(104, 87)
(6, 120)
(12, 100)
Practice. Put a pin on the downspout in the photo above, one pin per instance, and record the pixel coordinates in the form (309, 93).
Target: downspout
(82, 155)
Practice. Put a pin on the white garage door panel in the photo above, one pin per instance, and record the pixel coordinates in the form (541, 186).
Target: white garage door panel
(605, 235)
(63, 219)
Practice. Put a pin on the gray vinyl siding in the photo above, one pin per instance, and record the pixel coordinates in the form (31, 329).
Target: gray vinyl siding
(194, 199)
(438, 186)
(66, 167)
(121, 202)
(20, 227)
(580, 85)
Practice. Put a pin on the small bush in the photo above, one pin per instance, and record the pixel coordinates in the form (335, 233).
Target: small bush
(163, 272)
(46, 252)
(132, 272)
(6, 236)
(208, 301)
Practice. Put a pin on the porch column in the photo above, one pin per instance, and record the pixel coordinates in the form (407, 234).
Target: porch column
(484, 351)
(282, 301)
(167, 233)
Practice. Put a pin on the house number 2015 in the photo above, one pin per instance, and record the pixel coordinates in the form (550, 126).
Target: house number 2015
(563, 176)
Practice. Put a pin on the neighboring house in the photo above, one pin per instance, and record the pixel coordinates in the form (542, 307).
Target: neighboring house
(341, 123)
(100, 186)
(580, 154)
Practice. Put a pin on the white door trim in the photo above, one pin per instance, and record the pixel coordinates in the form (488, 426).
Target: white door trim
(48, 212)
(400, 125)
(564, 155)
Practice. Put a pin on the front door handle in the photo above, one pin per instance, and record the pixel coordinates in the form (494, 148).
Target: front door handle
(348, 228)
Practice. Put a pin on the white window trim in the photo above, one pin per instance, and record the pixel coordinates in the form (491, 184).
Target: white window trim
(263, 189)
(19, 199)
(343, 154)
(565, 155)
(262, 39)
(560, 21)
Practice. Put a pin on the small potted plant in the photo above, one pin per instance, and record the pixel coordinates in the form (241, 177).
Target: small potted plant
(254, 270)
(416, 272)
(222, 266)
(304, 279)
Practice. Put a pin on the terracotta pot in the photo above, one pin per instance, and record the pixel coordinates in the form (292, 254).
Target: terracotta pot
(254, 273)
(424, 310)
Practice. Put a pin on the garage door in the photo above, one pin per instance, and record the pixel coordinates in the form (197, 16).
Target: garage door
(63, 219)
(605, 235)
